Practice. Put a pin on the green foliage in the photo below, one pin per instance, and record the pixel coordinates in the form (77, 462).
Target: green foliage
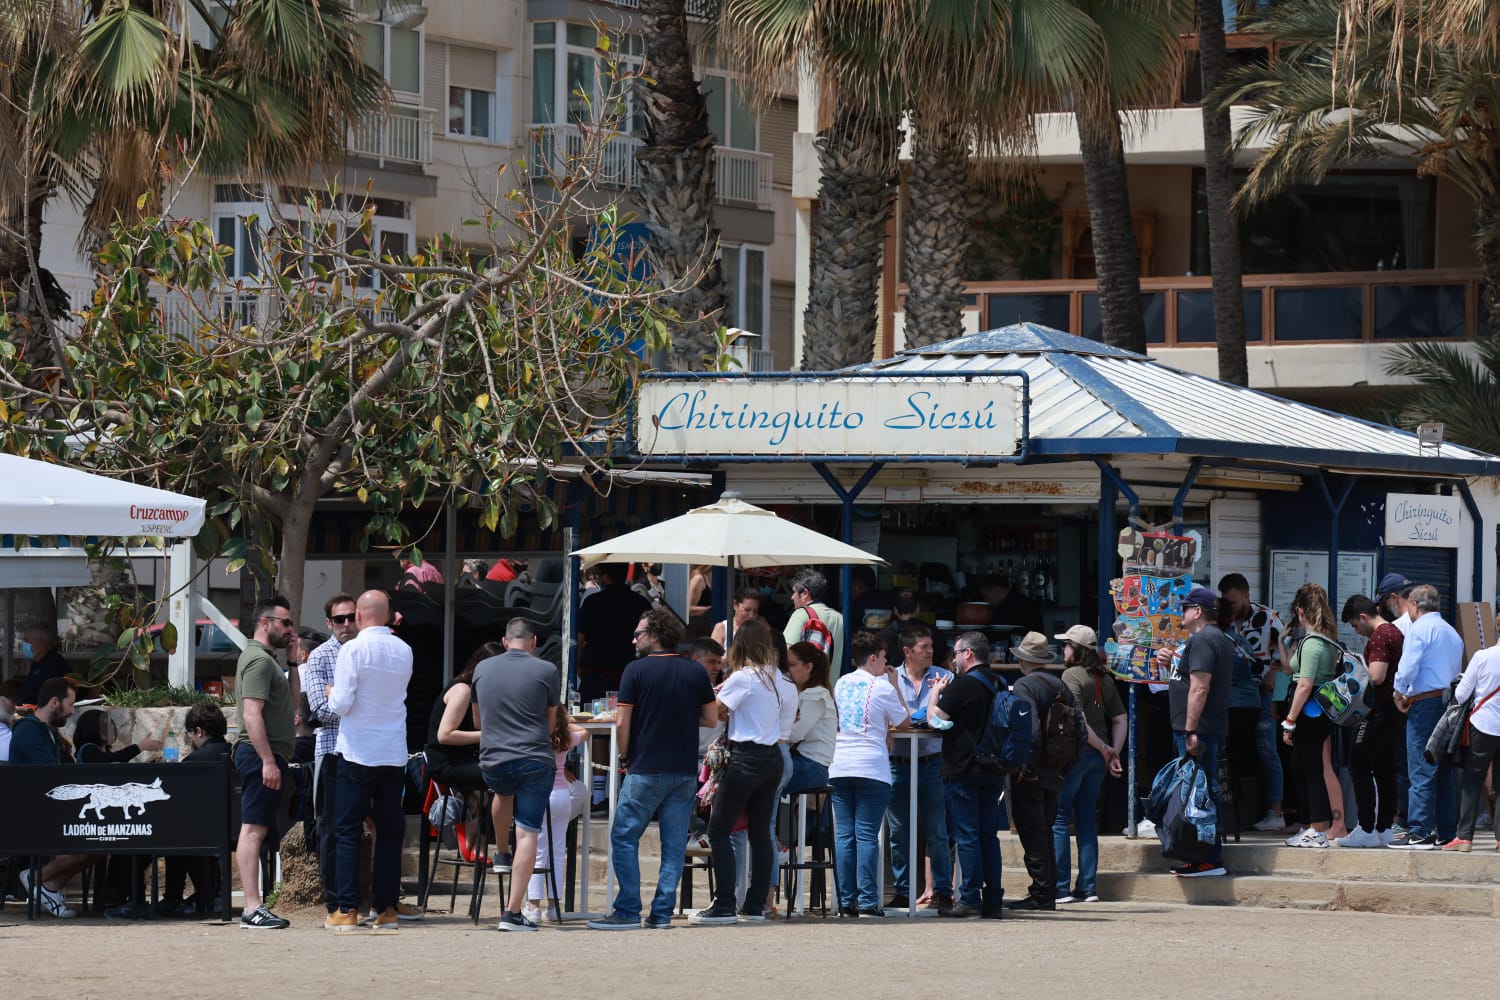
(164, 696)
(1454, 386)
(1015, 227)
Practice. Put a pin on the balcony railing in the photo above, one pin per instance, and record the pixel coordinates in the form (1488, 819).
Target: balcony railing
(1349, 307)
(400, 134)
(740, 175)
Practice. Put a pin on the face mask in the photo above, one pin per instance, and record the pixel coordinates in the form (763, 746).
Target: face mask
(26, 651)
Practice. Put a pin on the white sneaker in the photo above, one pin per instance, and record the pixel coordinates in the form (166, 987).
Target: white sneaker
(532, 913)
(1065, 899)
(1143, 828)
(1295, 839)
(1310, 838)
(1386, 836)
(1360, 837)
(49, 900)
(1270, 823)
(1091, 899)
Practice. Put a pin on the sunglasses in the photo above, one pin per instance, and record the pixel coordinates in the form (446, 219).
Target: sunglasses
(341, 619)
(642, 632)
(283, 622)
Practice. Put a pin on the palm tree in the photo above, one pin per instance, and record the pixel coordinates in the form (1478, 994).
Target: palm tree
(1439, 106)
(1218, 183)
(107, 100)
(676, 184)
(1459, 389)
(936, 232)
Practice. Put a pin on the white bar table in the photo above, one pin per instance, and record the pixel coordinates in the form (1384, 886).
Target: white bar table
(613, 785)
(912, 737)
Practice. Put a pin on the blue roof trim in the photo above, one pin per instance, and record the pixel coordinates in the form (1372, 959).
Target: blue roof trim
(1081, 448)
(1112, 395)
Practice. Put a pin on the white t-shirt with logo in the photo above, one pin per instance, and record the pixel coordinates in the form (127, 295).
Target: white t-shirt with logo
(758, 711)
(868, 709)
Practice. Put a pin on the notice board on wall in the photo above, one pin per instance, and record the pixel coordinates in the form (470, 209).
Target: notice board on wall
(1291, 568)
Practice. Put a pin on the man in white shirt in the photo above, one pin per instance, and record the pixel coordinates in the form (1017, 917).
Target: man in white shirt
(368, 694)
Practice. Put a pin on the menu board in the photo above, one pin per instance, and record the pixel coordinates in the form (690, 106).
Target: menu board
(1290, 569)
(1157, 575)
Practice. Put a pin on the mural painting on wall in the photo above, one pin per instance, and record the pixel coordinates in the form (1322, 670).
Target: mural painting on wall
(1157, 573)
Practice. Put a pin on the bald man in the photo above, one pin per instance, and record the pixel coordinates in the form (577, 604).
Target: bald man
(368, 694)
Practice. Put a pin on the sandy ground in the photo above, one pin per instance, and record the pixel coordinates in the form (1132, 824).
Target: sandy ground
(1108, 950)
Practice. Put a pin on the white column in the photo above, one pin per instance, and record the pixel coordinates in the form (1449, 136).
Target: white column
(180, 613)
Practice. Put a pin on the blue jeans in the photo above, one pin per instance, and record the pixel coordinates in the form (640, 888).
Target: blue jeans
(1430, 797)
(932, 823)
(974, 818)
(1210, 745)
(530, 781)
(1266, 735)
(1079, 801)
(362, 791)
(668, 797)
(858, 806)
(807, 775)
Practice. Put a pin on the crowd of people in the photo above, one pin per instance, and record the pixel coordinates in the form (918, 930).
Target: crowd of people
(765, 712)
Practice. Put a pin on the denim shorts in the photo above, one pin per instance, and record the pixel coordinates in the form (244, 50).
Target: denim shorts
(530, 781)
(259, 805)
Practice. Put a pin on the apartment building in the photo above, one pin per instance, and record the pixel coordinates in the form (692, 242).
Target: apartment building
(480, 86)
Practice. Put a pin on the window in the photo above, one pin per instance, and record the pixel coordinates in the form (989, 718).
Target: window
(729, 114)
(567, 72)
(749, 291)
(397, 54)
(469, 113)
(1348, 222)
(240, 234)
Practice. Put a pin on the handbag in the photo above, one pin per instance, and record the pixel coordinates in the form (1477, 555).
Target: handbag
(715, 759)
(1449, 742)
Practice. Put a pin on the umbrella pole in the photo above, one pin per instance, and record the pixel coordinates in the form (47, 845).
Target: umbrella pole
(729, 615)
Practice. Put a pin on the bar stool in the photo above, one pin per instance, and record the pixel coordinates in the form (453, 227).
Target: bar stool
(482, 871)
(465, 854)
(820, 848)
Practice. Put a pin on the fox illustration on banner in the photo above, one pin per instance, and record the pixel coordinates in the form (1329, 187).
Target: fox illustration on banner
(101, 797)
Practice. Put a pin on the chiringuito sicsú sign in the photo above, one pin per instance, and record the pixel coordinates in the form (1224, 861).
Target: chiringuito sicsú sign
(834, 417)
(1422, 519)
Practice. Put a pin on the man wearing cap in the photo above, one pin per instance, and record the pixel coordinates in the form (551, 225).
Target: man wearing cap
(1391, 596)
(1078, 802)
(1431, 658)
(1034, 790)
(1198, 689)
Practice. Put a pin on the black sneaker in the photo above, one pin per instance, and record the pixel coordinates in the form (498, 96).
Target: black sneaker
(849, 911)
(262, 919)
(715, 915)
(871, 913)
(615, 922)
(1198, 869)
(959, 911)
(1031, 903)
(991, 911)
(501, 863)
(514, 922)
(748, 916)
(1406, 842)
(127, 911)
(898, 902)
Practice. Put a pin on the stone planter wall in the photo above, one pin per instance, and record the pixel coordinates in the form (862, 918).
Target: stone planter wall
(136, 724)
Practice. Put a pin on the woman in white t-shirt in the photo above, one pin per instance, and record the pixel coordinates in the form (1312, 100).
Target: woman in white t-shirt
(868, 709)
(760, 704)
(817, 724)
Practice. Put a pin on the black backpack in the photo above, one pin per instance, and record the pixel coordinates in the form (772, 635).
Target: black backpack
(1062, 739)
(1005, 744)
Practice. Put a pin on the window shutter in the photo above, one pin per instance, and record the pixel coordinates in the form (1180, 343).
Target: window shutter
(776, 128)
(471, 68)
(435, 77)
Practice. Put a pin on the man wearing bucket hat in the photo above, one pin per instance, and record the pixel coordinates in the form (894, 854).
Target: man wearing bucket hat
(1077, 804)
(1199, 691)
(1034, 790)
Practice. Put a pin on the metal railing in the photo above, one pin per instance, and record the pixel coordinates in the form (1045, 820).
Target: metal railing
(1348, 307)
(401, 133)
(740, 175)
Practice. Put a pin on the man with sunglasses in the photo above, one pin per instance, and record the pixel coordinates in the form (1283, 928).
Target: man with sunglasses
(267, 710)
(317, 674)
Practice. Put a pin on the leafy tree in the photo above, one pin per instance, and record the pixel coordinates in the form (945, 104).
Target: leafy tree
(344, 374)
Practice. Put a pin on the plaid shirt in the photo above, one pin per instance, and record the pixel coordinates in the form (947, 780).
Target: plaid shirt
(317, 674)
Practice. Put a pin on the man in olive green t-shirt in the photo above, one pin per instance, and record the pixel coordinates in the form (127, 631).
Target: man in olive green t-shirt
(266, 716)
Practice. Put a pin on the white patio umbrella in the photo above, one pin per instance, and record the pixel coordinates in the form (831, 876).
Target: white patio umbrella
(729, 533)
(45, 499)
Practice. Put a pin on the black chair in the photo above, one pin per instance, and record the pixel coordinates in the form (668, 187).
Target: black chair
(482, 871)
(464, 854)
(818, 837)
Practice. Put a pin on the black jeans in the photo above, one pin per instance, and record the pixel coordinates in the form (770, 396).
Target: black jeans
(328, 774)
(1482, 749)
(748, 785)
(1374, 761)
(1307, 758)
(1033, 808)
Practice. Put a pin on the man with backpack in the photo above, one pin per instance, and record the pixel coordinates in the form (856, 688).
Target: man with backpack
(1062, 732)
(814, 621)
(974, 770)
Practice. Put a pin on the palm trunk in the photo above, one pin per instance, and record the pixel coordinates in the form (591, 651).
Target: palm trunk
(1487, 247)
(1115, 261)
(855, 199)
(1218, 174)
(676, 185)
(24, 294)
(937, 234)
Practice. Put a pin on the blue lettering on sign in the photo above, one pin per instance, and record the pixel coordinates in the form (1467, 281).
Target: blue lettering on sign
(694, 411)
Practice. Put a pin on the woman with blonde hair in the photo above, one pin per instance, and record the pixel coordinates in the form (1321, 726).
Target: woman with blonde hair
(1306, 730)
(760, 704)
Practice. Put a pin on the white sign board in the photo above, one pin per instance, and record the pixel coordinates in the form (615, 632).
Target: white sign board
(1291, 569)
(834, 417)
(1422, 519)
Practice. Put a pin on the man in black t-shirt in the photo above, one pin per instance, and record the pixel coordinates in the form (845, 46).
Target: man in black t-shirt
(664, 698)
(1198, 689)
(960, 710)
(605, 621)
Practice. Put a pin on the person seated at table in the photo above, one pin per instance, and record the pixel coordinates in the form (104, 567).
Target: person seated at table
(566, 801)
(204, 729)
(453, 738)
(94, 735)
(746, 607)
(817, 725)
(36, 741)
(9, 692)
